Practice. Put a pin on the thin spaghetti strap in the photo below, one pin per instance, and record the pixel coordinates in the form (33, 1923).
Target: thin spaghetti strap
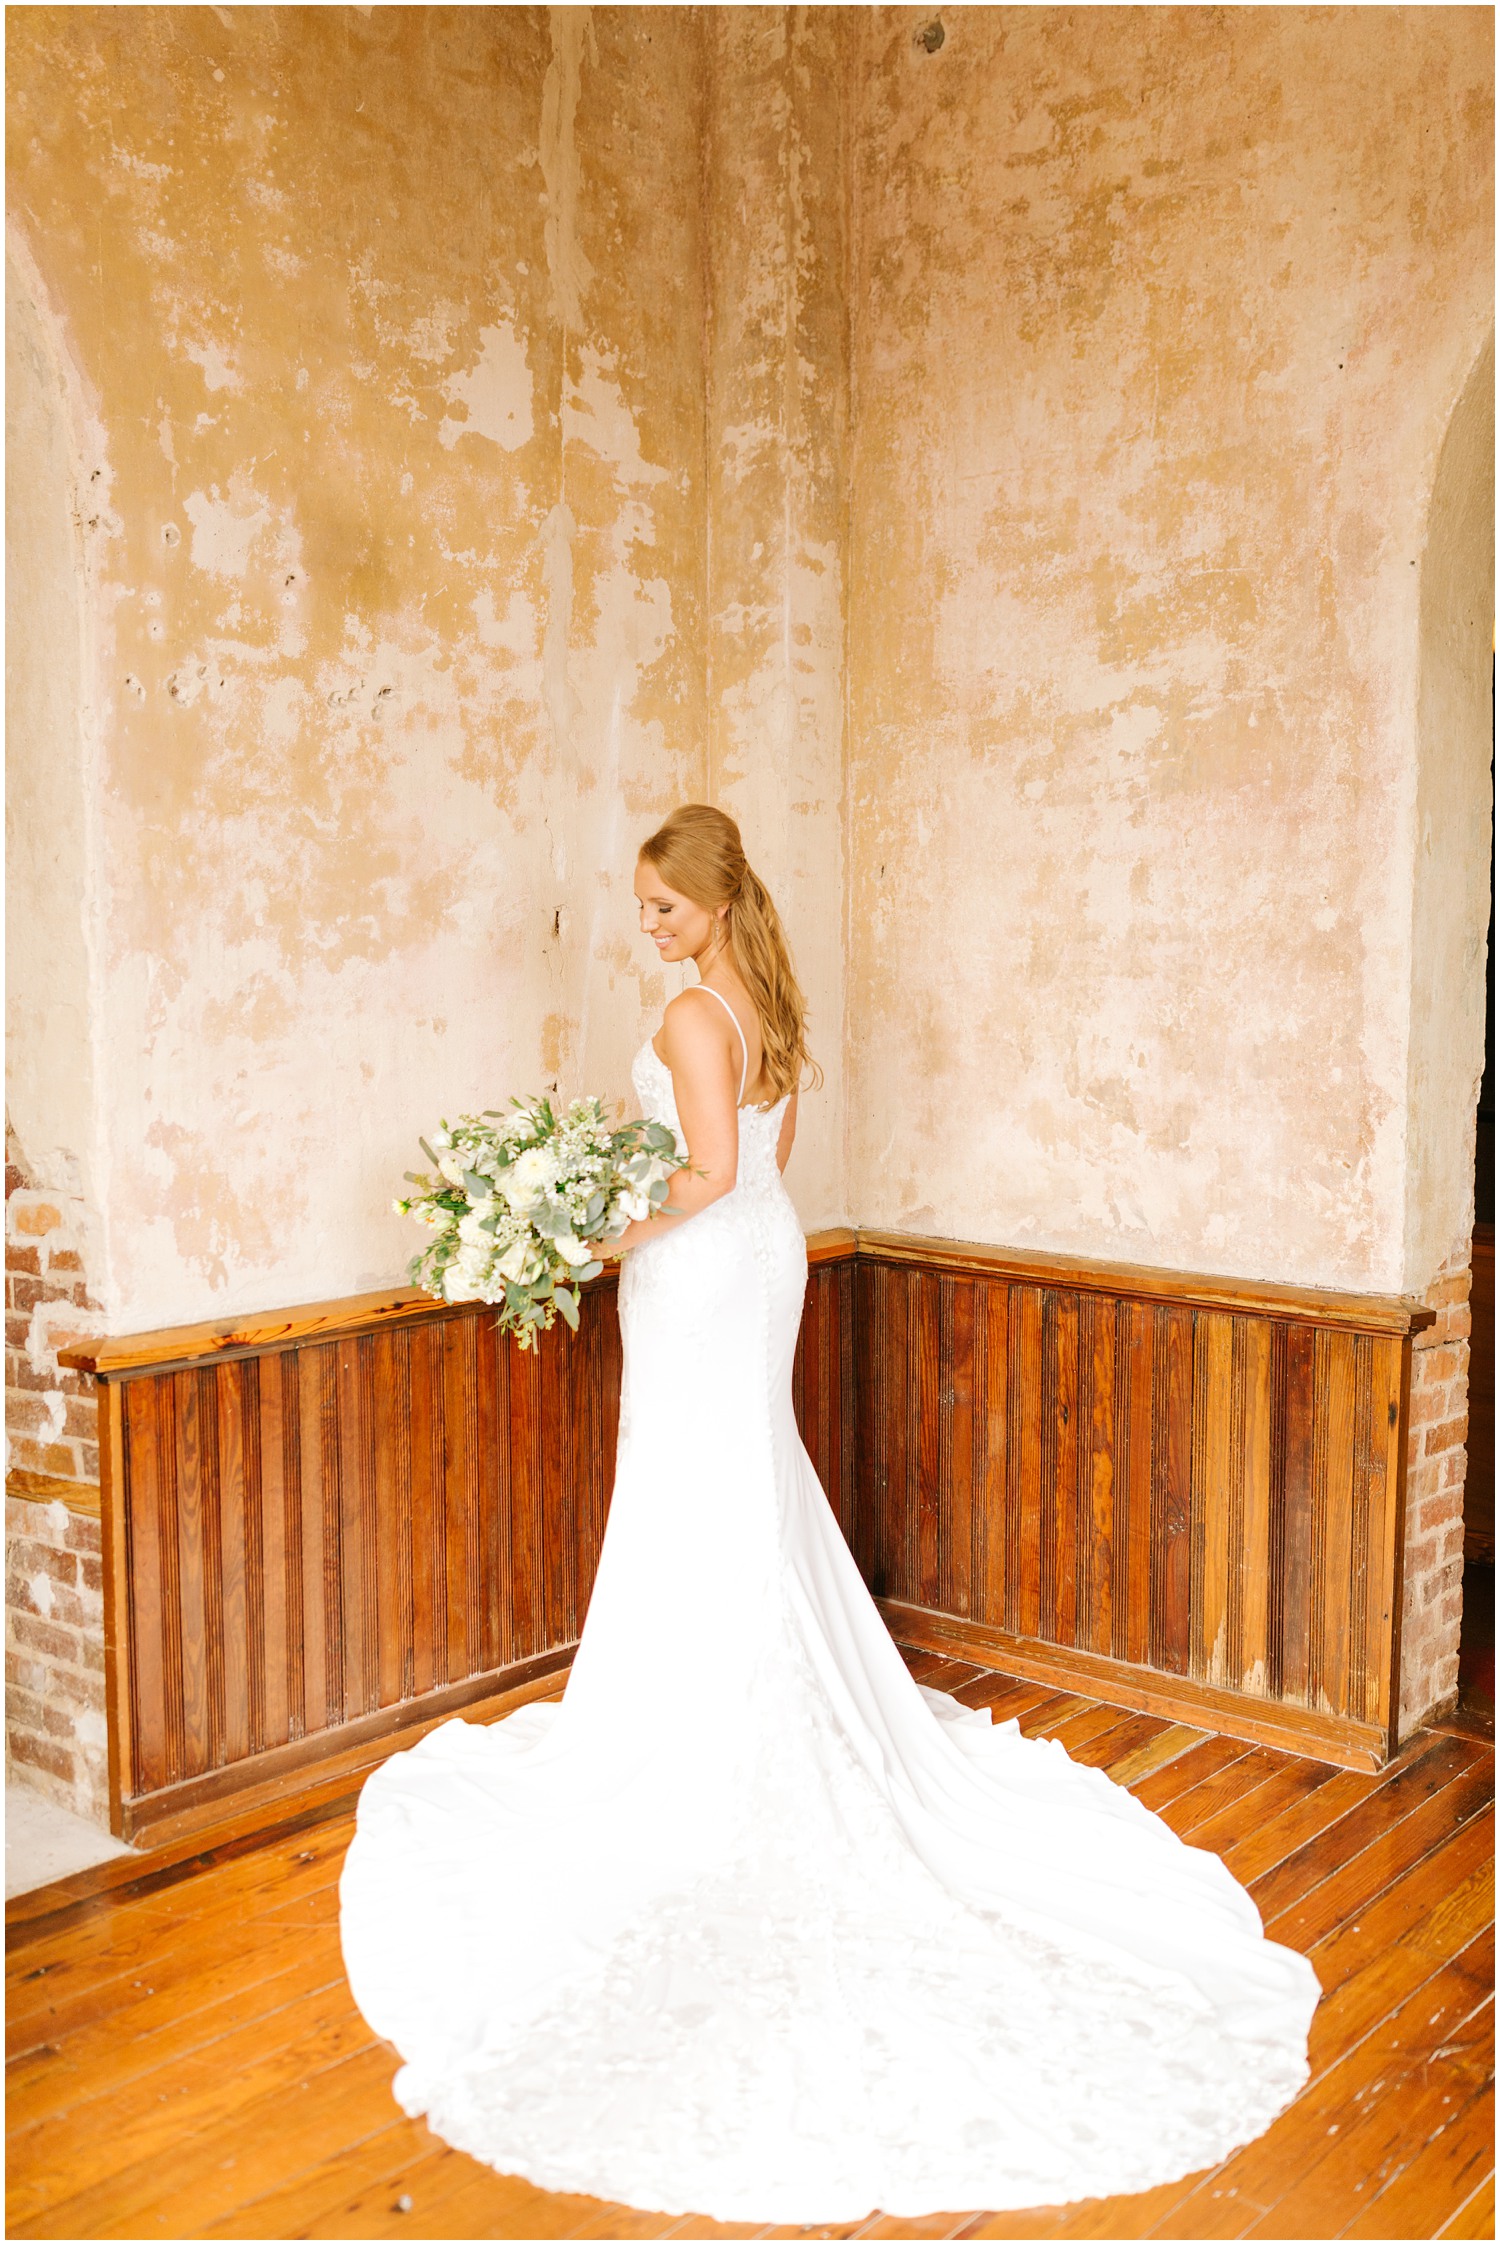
(739, 1032)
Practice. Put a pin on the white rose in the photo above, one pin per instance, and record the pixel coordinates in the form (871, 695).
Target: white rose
(459, 1285)
(513, 1261)
(469, 1227)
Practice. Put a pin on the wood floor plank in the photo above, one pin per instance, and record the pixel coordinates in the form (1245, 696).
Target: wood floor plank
(1003, 1695)
(1476, 2217)
(1428, 2189)
(1242, 2189)
(940, 1671)
(1127, 2217)
(1041, 1720)
(1385, 1857)
(168, 1977)
(1126, 1736)
(1438, 1906)
(1277, 1889)
(96, 2058)
(1231, 1786)
(165, 2090)
(1284, 1789)
(115, 1933)
(278, 2145)
(1408, 2103)
(1156, 1755)
(1251, 1853)
(1160, 1787)
(61, 2155)
(920, 2225)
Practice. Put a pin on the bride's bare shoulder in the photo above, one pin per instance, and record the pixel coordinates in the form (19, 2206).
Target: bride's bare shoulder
(694, 1028)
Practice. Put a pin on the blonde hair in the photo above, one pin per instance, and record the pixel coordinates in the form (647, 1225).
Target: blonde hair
(698, 852)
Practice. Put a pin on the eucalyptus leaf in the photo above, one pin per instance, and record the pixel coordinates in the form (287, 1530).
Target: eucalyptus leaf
(427, 1150)
(568, 1304)
(476, 1186)
(589, 1270)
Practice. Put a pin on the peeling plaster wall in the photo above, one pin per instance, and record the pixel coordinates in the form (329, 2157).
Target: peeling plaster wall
(997, 474)
(396, 319)
(778, 435)
(1451, 919)
(1160, 316)
(49, 1007)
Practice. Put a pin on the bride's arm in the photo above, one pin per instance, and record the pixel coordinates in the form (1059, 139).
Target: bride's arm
(705, 1080)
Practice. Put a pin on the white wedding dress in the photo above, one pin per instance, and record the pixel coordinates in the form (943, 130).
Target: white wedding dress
(752, 1926)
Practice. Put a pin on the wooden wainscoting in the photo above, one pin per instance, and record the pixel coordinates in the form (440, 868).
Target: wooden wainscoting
(1183, 1495)
(327, 1529)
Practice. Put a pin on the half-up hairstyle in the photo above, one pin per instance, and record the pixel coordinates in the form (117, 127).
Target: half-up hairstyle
(698, 852)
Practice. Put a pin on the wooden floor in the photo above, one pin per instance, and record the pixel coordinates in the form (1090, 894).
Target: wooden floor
(185, 2061)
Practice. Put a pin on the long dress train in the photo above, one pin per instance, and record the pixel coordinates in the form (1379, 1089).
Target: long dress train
(750, 1924)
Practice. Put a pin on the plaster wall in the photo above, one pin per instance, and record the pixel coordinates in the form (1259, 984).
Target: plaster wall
(777, 489)
(395, 321)
(1159, 319)
(49, 869)
(1450, 920)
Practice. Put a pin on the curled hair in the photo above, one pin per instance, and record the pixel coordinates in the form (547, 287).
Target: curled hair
(698, 852)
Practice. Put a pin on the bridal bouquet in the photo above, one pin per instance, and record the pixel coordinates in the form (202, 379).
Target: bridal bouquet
(517, 1197)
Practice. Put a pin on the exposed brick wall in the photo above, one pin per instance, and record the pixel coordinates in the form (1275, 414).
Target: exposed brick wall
(1432, 1606)
(55, 1736)
(51, 1416)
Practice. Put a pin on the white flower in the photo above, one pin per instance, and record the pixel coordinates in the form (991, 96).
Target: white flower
(513, 1262)
(570, 1249)
(528, 1177)
(452, 1167)
(636, 1206)
(469, 1226)
(459, 1285)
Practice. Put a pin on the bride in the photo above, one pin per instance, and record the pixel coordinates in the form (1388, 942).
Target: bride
(750, 1924)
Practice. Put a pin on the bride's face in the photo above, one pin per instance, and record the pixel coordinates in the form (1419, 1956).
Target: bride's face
(678, 927)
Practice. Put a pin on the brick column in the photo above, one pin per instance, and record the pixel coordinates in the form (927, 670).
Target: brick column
(55, 1736)
(1432, 1605)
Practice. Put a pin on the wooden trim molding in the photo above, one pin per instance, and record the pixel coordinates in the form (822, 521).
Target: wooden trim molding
(325, 1529)
(221, 1339)
(1181, 1699)
(50, 1488)
(1354, 1313)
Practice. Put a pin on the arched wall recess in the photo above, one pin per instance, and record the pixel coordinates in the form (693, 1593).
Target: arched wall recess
(1451, 875)
(51, 1092)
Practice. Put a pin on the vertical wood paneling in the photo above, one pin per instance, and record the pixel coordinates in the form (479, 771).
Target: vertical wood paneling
(275, 1651)
(930, 1416)
(1023, 1540)
(238, 1625)
(1097, 1343)
(1252, 1559)
(991, 1359)
(1141, 1394)
(193, 1623)
(336, 1527)
(956, 1475)
(320, 1702)
(1213, 1493)
(1331, 1605)
(149, 1611)
(1389, 1400)
(1298, 1436)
